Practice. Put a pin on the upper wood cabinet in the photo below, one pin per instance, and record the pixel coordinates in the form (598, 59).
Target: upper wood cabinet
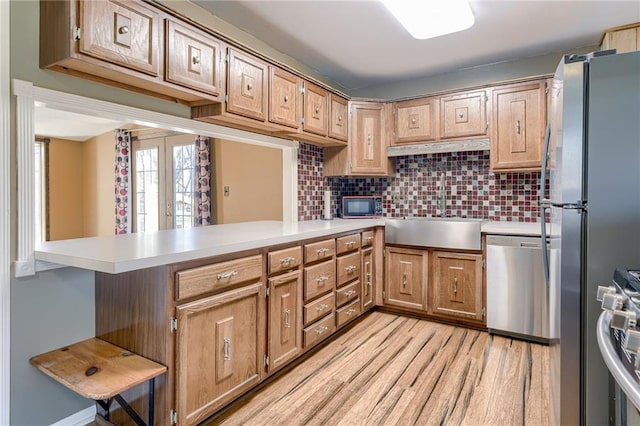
(247, 79)
(218, 351)
(518, 126)
(193, 58)
(463, 115)
(456, 287)
(125, 33)
(338, 118)
(623, 39)
(284, 98)
(366, 151)
(316, 100)
(415, 120)
(124, 44)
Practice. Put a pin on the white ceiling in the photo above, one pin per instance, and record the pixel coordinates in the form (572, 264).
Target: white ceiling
(358, 44)
(54, 123)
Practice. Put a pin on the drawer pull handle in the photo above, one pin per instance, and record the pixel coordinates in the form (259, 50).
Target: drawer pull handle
(518, 126)
(227, 349)
(322, 251)
(123, 30)
(322, 329)
(226, 275)
(322, 307)
(404, 279)
(349, 293)
(287, 318)
(287, 260)
(369, 278)
(321, 280)
(350, 269)
(368, 239)
(455, 284)
(350, 244)
(350, 312)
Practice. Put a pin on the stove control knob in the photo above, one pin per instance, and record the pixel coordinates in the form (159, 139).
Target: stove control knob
(624, 320)
(602, 290)
(632, 342)
(612, 301)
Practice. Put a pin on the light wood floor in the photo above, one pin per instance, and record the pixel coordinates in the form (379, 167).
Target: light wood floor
(391, 370)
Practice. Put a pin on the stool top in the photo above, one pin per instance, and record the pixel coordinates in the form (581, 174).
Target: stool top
(97, 369)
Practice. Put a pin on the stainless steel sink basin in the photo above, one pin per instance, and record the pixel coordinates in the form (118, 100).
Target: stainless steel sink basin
(440, 232)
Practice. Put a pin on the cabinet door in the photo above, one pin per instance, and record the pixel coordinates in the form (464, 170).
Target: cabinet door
(284, 90)
(368, 138)
(366, 293)
(338, 118)
(124, 33)
(192, 59)
(463, 115)
(519, 120)
(406, 278)
(285, 318)
(247, 86)
(457, 285)
(415, 120)
(218, 354)
(315, 109)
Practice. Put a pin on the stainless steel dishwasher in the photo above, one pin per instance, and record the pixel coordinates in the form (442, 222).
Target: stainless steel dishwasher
(517, 294)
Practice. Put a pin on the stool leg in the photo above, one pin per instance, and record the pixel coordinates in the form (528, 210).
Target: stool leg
(151, 400)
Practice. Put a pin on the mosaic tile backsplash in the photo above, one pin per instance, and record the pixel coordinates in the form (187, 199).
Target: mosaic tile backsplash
(472, 191)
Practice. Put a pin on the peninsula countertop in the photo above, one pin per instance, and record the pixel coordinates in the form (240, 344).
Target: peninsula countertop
(128, 252)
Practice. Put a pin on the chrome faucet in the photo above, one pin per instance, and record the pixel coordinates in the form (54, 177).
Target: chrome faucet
(442, 196)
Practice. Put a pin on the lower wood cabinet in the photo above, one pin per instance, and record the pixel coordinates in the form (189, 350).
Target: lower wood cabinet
(285, 318)
(406, 278)
(456, 287)
(367, 272)
(218, 351)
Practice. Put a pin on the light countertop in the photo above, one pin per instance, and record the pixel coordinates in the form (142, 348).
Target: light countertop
(122, 253)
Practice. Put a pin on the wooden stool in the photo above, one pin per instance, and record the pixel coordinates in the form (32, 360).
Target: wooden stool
(101, 371)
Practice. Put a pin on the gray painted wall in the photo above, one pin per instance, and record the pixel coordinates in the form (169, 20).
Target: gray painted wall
(56, 308)
(469, 77)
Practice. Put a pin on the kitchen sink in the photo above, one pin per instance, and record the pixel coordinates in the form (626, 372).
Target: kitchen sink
(439, 232)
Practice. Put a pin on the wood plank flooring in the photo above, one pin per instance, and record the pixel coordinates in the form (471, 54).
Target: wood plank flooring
(390, 370)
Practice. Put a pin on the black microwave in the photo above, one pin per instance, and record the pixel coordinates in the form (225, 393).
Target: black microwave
(365, 206)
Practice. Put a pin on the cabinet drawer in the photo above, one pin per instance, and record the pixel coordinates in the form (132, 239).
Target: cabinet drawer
(347, 313)
(193, 59)
(320, 250)
(319, 279)
(348, 268)
(348, 243)
(283, 260)
(192, 282)
(318, 308)
(367, 238)
(347, 293)
(319, 331)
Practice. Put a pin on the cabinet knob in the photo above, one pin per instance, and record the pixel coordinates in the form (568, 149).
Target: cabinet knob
(286, 98)
(123, 30)
(317, 109)
(249, 86)
(413, 121)
(339, 118)
(461, 115)
(518, 126)
(196, 60)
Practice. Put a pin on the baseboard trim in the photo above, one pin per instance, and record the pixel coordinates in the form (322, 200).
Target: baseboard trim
(81, 418)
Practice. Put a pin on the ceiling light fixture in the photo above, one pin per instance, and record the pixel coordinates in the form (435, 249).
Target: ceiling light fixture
(431, 18)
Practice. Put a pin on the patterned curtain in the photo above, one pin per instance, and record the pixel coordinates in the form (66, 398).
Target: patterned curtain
(202, 187)
(122, 188)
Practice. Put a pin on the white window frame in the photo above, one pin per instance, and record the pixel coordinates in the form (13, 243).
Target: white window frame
(27, 94)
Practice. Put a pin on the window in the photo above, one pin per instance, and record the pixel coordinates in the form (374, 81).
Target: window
(41, 181)
(163, 184)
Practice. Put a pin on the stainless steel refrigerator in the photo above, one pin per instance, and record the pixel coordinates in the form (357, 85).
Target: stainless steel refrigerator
(594, 210)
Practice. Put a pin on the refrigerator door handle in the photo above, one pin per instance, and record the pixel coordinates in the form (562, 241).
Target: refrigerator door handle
(545, 203)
